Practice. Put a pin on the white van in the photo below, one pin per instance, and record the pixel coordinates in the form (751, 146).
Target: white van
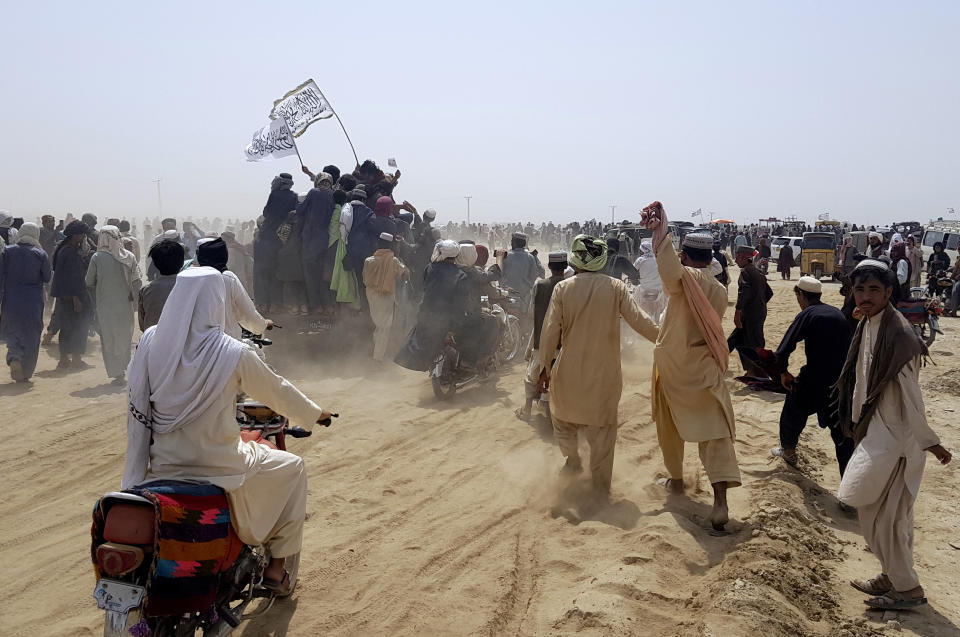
(779, 242)
(946, 232)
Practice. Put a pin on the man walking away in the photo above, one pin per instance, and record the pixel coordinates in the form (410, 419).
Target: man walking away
(74, 305)
(542, 292)
(826, 334)
(784, 261)
(380, 274)
(114, 277)
(690, 400)
(25, 269)
(241, 312)
(167, 256)
(585, 380)
(882, 409)
(752, 296)
(520, 268)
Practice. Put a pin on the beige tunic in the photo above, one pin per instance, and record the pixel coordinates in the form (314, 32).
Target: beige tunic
(687, 381)
(263, 484)
(883, 476)
(584, 320)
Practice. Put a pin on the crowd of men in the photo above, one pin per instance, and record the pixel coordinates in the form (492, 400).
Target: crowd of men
(346, 249)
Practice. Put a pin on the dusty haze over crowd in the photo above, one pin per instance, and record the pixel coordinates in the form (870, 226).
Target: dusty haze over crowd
(538, 111)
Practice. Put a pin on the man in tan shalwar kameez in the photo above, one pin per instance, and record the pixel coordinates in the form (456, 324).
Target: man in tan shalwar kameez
(380, 274)
(690, 399)
(882, 409)
(585, 380)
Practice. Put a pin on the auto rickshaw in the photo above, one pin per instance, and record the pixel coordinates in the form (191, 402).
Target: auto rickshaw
(818, 254)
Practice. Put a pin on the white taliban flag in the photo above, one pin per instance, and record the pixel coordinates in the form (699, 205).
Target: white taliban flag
(301, 107)
(271, 142)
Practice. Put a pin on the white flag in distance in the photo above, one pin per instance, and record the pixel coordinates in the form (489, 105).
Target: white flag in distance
(271, 142)
(301, 107)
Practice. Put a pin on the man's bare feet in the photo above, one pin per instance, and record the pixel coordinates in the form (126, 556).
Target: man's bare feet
(719, 515)
(572, 466)
(523, 413)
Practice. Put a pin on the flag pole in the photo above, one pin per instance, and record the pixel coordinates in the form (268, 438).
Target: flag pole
(293, 139)
(343, 128)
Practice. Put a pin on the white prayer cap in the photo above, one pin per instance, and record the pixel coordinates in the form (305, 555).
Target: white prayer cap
(430, 213)
(873, 263)
(698, 240)
(386, 236)
(810, 284)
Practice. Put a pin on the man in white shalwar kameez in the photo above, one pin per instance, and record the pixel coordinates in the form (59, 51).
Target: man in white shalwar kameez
(114, 277)
(882, 409)
(181, 424)
(241, 312)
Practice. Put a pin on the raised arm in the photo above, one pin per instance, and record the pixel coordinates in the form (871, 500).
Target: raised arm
(670, 268)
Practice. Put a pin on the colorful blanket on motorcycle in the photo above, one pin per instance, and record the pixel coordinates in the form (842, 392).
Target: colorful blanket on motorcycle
(194, 544)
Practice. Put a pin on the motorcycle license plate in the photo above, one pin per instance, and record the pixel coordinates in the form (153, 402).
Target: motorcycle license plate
(117, 596)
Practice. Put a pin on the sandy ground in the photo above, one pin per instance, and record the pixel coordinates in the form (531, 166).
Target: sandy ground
(450, 519)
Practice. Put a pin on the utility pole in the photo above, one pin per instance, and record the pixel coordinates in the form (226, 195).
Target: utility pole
(468, 208)
(613, 212)
(159, 200)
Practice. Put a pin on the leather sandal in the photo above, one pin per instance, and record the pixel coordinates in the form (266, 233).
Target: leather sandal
(879, 585)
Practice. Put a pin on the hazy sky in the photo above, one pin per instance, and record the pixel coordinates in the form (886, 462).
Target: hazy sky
(546, 110)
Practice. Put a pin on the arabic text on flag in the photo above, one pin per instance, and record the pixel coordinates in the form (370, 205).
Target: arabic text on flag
(271, 142)
(301, 107)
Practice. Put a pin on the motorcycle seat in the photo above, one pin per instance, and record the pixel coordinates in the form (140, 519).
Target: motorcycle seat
(130, 523)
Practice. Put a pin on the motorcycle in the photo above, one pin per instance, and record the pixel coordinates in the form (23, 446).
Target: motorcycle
(126, 565)
(940, 285)
(763, 265)
(449, 373)
(923, 312)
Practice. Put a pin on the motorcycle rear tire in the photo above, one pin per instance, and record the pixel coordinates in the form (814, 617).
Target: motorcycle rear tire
(443, 390)
(510, 344)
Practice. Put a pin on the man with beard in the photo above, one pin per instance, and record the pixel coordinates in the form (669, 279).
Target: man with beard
(875, 245)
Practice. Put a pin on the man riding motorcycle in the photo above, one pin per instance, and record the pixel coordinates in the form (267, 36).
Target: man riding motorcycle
(445, 292)
(181, 424)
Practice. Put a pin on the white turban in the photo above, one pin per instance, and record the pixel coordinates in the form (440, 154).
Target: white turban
(468, 254)
(444, 250)
(896, 239)
(876, 235)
